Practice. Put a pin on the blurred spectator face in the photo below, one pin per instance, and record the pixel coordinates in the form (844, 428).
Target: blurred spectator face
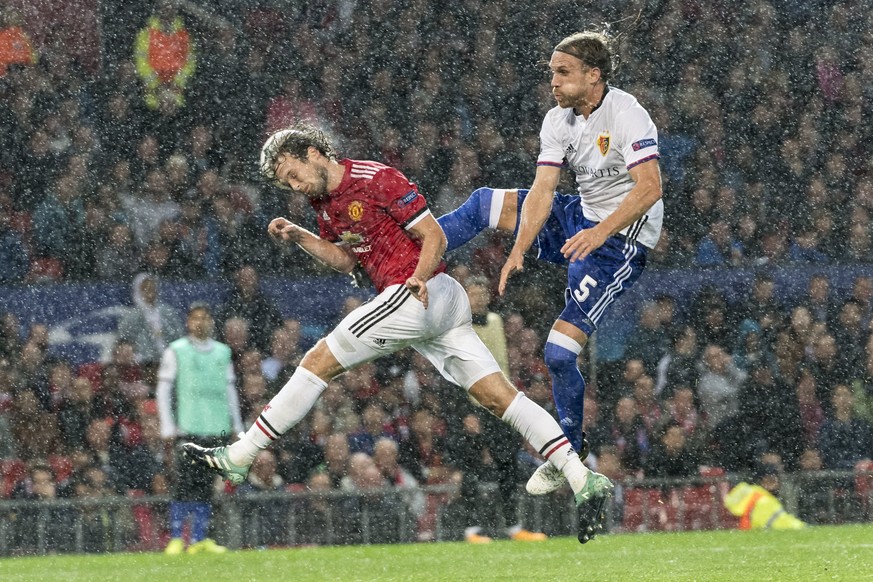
(683, 401)
(81, 391)
(650, 318)
(247, 281)
(320, 424)
(254, 388)
(43, 483)
(480, 296)
(250, 363)
(422, 423)
(119, 236)
(644, 389)
(609, 464)
(236, 333)
(123, 354)
(39, 335)
(686, 343)
(373, 419)
(97, 435)
(61, 377)
(842, 400)
(810, 460)
(513, 325)
(293, 327)
(625, 410)
(825, 348)
(26, 403)
(319, 482)
(633, 369)
(850, 316)
(281, 345)
(763, 290)
(385, 456)
(716, 359)
(336, 452)
(148, 289)
(863, 290)
(674, 440)
(819, 289)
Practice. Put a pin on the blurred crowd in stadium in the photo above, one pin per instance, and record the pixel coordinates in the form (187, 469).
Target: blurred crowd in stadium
(765, 129)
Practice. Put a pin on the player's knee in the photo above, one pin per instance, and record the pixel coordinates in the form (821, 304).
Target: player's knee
(494, 392)
(558, 358)
(320, 361)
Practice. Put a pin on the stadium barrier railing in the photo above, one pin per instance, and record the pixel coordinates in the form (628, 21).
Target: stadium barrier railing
(430, 513)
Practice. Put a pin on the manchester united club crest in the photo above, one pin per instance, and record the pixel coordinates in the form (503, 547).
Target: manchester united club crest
(603, 142)
(356, 210)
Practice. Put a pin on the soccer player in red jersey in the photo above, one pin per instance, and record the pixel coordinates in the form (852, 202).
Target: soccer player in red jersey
(370, 214)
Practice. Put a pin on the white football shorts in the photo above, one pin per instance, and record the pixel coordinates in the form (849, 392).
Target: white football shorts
(395, 319)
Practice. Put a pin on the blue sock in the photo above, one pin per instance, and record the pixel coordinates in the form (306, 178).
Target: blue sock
(200, 523)
(568, 385)
(468, 220)
(178, 514)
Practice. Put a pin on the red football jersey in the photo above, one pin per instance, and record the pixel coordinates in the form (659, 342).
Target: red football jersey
(371, 211)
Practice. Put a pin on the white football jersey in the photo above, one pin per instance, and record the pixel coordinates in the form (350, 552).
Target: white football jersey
(600, 150)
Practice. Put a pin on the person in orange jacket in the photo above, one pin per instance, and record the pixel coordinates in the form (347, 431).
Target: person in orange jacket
(164, 57)
(15, 45)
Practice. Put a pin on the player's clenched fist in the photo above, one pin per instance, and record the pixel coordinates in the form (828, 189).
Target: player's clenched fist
(283, 229)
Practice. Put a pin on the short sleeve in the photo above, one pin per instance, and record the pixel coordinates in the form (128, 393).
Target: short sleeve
(551, 148)
(638, 137)
(400, 197)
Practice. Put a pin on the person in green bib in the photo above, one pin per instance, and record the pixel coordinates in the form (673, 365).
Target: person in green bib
(197, 401)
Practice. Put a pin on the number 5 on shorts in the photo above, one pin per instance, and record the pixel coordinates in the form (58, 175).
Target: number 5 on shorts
(581, 294)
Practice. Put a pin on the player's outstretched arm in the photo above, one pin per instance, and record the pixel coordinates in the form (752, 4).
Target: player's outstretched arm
(334, 256)
(433, 245)
(534, 213)
(646, 191)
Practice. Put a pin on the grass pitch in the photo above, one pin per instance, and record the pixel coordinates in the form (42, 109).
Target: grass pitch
(819, 553)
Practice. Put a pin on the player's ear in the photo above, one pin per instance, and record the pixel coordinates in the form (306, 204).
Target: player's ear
(312, 153)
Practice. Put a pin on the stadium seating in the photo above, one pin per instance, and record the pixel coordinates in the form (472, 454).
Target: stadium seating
(11, 472)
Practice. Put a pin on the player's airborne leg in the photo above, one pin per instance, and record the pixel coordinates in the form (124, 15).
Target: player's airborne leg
(458, 354)
(480, 211)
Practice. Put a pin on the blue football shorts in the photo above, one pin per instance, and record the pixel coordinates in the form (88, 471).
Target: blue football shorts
(595, 282)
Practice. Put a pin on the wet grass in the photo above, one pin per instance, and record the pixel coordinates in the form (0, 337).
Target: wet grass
(820, 553)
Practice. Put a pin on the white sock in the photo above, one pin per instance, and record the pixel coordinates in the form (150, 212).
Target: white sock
(287, 408)
(542, 431)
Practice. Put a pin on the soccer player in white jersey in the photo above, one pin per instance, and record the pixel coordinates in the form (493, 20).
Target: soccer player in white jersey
(610, 143)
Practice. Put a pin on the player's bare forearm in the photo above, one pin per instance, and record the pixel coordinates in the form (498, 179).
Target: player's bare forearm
(433, 246)
(536, 208)
(334, 256)
(646, 191)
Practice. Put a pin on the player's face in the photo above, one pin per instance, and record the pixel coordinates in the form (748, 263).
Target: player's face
(200, 323)
(573, 83)
(307, 176)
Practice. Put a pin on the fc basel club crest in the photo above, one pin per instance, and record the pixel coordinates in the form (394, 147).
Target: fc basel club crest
(603, 142)
(356, 210)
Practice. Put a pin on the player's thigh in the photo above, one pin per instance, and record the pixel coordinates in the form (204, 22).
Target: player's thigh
(383, 325)
(395, 319)
(563, 221)
(459, 356)
(597, 281)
